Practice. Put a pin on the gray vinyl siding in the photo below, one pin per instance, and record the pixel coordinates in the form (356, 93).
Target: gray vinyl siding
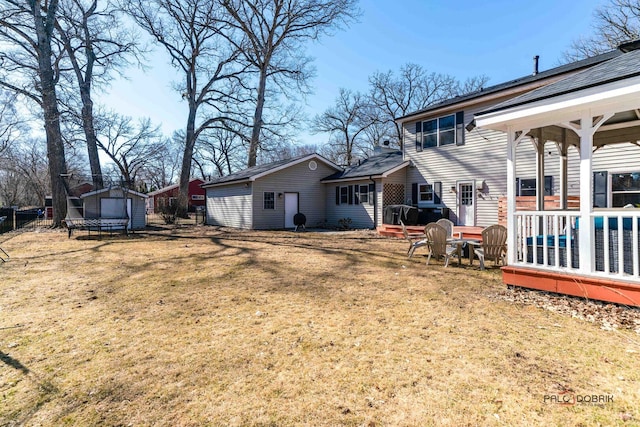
(361, 214)
(299, 179)
(229, 206)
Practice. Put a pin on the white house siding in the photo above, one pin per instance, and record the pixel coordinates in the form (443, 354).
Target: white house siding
(229, 206)
(293, 179)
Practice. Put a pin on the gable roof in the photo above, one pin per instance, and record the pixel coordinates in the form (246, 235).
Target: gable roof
(103, 190)
(380, 165)
(171, 187)
(624, 66)
(530, 79)
(256, 172)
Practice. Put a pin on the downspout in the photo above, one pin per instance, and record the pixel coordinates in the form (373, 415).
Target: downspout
(375, 203)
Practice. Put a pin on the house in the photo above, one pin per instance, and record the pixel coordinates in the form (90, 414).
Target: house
(116, 202)
(268, 196)
(461, 168)
(165, 196)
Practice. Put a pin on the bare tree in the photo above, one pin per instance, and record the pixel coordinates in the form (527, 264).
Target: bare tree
(616, 22)
(222, 149)
(411, 90)
(164, 169)
(96, 44)
(12, 125)
(274, 33)
(23, 173)
(189, 30)
(346, 123)
(29, 66)
(131, 147)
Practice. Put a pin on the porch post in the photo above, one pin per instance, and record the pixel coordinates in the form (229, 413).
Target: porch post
(511, 197)
(539, 144)
(585, 232)
(564, 164)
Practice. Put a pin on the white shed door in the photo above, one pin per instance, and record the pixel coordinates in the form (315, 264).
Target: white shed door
(466, 205)
(290, 209)
(114, 208)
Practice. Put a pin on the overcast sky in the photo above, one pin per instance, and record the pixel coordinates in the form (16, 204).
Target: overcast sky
(462, 38)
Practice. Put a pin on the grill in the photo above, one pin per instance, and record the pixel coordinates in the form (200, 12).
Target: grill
(299, 220)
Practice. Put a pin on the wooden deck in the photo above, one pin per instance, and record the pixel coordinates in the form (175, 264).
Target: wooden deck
(615, 291)
(396, 231)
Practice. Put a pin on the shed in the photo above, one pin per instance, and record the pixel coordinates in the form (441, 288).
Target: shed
(165, 196)
(268, 196)
(115, 202)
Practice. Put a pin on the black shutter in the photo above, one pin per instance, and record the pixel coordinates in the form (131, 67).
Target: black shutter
(372, 193)
(437, 192)
(460, 128)
(600, 182)
(337, 195)
(350, 194)
(414, 194)
(419, 136)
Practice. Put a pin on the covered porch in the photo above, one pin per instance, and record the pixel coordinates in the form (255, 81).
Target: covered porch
(589, 251)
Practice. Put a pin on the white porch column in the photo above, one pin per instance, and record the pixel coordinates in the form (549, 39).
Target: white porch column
(539, 144)
(511, 196)
(585, 232)
(564, 164)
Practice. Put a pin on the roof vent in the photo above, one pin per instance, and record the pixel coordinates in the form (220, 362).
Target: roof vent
(535, 64)
(629, 46)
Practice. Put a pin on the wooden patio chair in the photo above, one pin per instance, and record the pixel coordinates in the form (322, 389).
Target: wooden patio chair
(415, 240)
(448, 225)
(437, 243)
(494, 245)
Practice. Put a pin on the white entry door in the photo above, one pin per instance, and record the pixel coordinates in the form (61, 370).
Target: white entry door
(466, 204)
(290, 209)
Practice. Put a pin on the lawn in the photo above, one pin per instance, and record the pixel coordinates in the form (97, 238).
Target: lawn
(196, 326)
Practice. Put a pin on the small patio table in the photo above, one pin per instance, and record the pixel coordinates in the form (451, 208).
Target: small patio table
(461, 243)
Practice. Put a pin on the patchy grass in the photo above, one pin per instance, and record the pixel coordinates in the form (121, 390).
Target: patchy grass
(196, 326)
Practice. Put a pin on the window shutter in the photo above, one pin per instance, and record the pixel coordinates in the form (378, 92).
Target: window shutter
(460, 128)
(337, 195)
(372, 194)
(350, 194)
(419, 136)
(437, 192)
(414, 194)
(600, 190)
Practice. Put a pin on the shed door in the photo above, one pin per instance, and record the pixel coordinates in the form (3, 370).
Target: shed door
(466, 204)
(290, 209)
(113, 208)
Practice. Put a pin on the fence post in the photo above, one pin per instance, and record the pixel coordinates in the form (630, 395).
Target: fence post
(15, 222)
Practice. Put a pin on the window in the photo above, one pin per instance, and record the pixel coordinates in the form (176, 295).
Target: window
(625, 189)
(363, 194)
(344, 195)
(441, 131)
(527, 186)
(269, 200)
(427, 193)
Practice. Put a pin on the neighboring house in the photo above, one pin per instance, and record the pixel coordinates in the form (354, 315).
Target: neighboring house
(116, 203)
(268, 196)
(357, 196)
(166, 196)
(463, 168)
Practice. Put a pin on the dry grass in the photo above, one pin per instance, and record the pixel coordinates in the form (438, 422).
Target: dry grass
(202, 326)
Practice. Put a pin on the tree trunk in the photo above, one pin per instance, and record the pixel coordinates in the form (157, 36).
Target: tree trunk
(185, 171)
(257, 120)
(90, 135)
(55, 146)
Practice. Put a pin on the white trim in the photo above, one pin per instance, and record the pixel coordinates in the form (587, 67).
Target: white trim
(104, 190)
(293, 163)
(619, 96)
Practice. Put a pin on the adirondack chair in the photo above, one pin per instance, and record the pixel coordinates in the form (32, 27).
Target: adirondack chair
(494, 245)
(448, 225)
(437, 243)
(415, 240)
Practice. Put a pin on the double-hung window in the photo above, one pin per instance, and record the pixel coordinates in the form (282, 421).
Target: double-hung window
(440, 131)
(625, 189)
(427, 193)
(269, 200)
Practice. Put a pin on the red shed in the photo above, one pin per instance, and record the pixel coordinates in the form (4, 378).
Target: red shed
(166, 195)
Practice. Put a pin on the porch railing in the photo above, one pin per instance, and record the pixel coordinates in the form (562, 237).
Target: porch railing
(550, 240)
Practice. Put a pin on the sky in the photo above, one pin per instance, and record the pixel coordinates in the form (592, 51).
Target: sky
(460, 38)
